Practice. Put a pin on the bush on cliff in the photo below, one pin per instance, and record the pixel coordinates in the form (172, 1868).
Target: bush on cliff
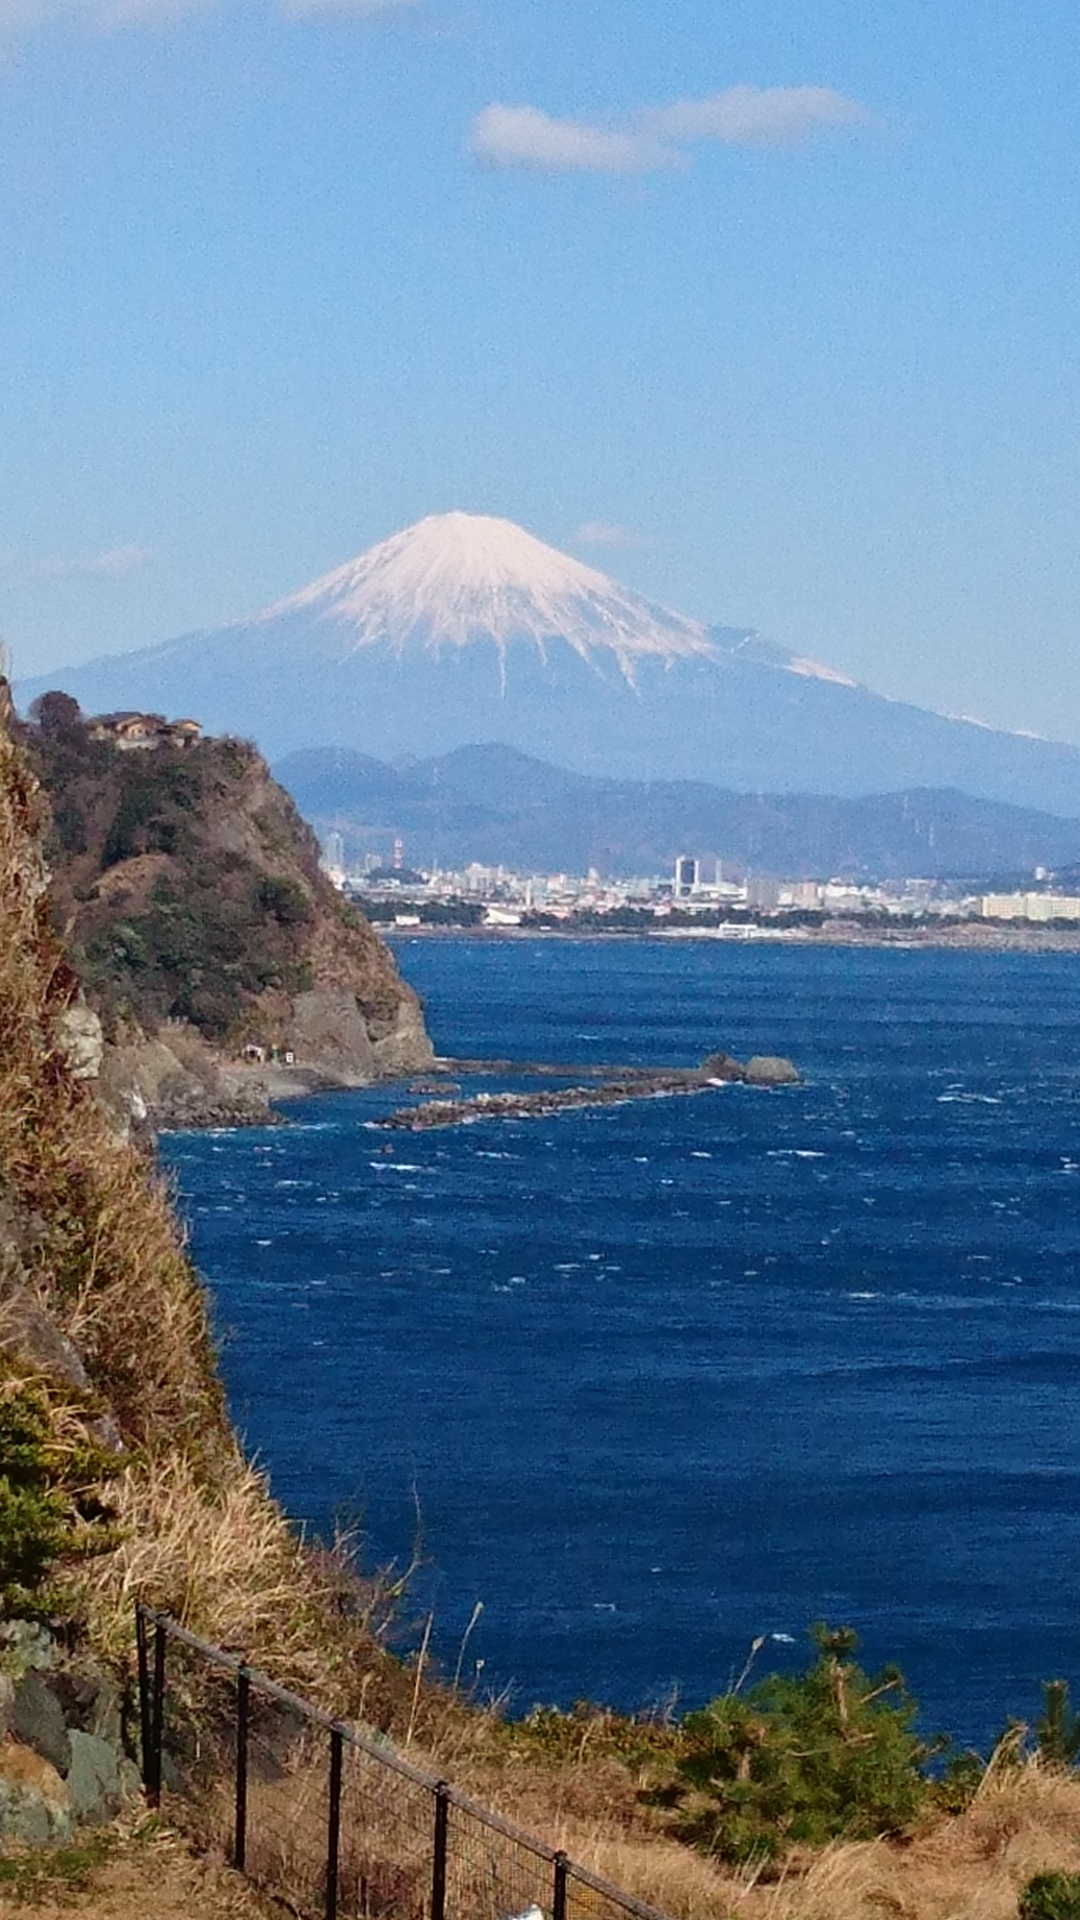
(53, 1505)
(806, 1757)
(1051, 1896)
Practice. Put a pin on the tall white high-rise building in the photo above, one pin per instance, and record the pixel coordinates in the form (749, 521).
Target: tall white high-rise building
(686, 876)
(333, 857)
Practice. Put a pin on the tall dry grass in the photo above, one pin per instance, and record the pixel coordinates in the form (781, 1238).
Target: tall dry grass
(100, 1251)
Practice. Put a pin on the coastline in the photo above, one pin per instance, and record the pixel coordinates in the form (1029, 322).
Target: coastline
(968, 936)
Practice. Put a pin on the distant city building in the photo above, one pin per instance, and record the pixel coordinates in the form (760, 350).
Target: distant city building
(686, 876)
(333, 857)
(803, 894)
(1029, 906)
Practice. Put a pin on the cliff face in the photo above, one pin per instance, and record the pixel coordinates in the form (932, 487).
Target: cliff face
(221, 961)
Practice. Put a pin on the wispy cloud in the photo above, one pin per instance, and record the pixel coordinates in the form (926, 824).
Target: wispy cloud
(21, 17)
(609, 534)
(358, 9)
(116, 563)
(526, 137)
(656, 138)
(758, 116)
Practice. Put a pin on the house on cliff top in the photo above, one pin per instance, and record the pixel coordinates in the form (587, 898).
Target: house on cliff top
(131, 731)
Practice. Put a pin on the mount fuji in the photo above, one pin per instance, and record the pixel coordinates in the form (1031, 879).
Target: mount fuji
(465, 629)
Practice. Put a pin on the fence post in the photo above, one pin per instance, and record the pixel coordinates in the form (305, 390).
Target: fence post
(152, 1762)
(333, 1834)
(438, 1859)
(558, 1900)
(243, 1709)
(144, 1693)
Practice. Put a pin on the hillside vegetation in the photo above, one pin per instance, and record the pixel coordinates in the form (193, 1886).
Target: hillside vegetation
(189, 895)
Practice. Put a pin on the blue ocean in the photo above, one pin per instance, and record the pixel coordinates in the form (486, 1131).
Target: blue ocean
(668, 1376)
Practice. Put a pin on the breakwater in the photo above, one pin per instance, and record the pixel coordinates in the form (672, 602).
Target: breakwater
(606, 1087)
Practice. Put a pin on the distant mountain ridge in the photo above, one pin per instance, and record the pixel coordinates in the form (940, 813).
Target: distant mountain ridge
(466, 628)
(498, 806)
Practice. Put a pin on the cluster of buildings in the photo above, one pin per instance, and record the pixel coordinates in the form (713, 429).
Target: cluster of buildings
(131, 731)
(506, 898)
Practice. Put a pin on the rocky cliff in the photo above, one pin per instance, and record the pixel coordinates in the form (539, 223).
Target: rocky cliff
(222, 963)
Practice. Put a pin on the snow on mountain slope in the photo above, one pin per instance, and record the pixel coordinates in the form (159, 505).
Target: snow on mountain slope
(457, 578)
(465, 629)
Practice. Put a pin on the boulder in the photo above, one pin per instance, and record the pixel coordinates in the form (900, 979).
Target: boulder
(25, 1644)
(95, 1790)
(771, 1070)
(27, 1330)
(721, 1066)
(34, 1809)
(108, 1715)
(37, 1719)
(81, 1041)
(77, 1694)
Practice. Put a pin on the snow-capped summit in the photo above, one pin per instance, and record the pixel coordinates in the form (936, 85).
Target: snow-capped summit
(458, 578)
(465, 630)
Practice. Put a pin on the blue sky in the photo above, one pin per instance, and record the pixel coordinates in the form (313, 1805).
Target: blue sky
(769, 309)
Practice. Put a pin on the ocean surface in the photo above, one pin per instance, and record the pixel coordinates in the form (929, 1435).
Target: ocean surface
(668, 1376)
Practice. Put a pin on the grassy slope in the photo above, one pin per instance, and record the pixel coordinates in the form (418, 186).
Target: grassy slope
(90, 1236)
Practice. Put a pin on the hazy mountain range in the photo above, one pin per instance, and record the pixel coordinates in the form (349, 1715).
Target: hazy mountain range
(464, 629)
(496, 805)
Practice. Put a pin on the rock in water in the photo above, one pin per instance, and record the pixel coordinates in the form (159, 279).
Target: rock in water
(770, 1070)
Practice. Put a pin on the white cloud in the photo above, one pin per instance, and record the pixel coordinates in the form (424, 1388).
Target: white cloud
(526, 137)
(116, 563)
(757, 116)
(608, 533)
(655, 138)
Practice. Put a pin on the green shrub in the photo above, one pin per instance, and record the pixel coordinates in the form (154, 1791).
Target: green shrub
(1051, 1896)
(156, 796)
(285, 900)
(805, 1757)
(50, 1504)
(1057, 1731)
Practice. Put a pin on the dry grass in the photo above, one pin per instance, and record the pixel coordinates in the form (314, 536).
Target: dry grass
(99, 1248)
(126, 1875)
(106, 1259)
(1024, 1819)
(222, 1556)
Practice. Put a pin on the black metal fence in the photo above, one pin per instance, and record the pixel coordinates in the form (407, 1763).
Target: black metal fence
(330, 1816)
